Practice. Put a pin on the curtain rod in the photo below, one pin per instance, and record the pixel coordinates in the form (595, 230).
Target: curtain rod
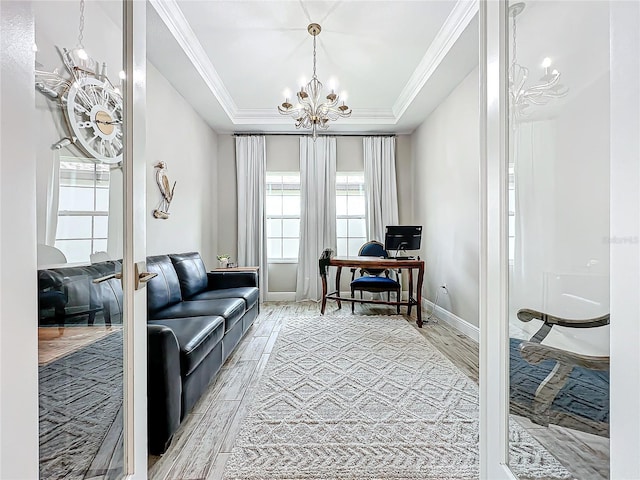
(308, 135)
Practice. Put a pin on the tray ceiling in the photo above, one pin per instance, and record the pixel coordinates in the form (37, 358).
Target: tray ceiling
(232, 60)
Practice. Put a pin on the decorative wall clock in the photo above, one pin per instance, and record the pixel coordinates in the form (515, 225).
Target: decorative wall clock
(90, 104)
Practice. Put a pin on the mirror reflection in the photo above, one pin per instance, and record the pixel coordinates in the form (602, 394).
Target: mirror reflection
(78, 105)
(559, 237)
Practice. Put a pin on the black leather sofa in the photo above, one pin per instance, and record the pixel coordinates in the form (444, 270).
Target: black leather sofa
(195, 320)
(67, 296)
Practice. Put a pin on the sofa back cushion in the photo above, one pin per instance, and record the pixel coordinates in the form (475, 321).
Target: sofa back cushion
(163, 290)
(191, 272)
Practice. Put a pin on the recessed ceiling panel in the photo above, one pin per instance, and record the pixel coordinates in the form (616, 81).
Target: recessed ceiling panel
(369, 49)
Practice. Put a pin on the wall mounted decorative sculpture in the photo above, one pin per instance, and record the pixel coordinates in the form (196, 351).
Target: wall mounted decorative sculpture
(162, 210)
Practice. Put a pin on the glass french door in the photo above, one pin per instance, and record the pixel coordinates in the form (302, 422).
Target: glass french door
(560, 203)
(91, 335)
(79, 170)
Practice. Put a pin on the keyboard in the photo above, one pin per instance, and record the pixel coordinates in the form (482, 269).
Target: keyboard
(403, 258)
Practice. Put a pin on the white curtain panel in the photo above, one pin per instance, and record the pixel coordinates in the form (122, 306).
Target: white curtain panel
(53, 192)
(535, 212)
(380, 185)
(318, 212)
(115, 233)
(251, 166)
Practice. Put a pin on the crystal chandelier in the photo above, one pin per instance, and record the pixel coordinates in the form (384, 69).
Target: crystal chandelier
(521, 95)
(310, 112)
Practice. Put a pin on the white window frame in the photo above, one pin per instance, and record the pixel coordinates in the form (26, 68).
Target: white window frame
(350, 216)
(275, 260)
(84, 213)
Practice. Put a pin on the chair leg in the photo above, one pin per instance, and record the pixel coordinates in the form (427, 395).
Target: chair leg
(398, 300)
(353, 303)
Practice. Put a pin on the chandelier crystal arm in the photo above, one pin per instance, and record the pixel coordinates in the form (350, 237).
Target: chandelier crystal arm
(521, 95)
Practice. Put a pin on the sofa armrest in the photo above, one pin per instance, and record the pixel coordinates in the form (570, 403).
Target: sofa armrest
(218, 280)
(164, 387)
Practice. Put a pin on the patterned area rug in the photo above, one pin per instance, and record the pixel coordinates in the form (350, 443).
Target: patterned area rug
(366, 397)
(80, 395)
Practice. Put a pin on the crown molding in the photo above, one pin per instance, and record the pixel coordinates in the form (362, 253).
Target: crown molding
(174, 19)
(460, 16)
(268, 116)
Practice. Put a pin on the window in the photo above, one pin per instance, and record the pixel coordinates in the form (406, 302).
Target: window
(283, 215)
(350, 213)
(83, 208)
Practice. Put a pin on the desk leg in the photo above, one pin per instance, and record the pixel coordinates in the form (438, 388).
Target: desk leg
(338, 273)
(419, 295)
(410, 299)
(324, 292)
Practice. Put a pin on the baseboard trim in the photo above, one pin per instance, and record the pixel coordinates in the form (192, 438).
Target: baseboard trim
(281, 296)
(456, 322)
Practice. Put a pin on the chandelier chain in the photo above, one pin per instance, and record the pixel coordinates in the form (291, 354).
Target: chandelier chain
(81, 25)
(314, 57)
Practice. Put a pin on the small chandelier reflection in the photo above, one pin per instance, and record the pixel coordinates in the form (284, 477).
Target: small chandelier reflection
(521, 95)
(310, 112)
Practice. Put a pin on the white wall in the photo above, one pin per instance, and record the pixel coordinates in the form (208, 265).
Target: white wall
(283, 154)
(227, 226)
(177, 135)
(445, 182)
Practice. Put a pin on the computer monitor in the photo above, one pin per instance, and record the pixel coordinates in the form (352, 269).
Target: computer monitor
(402, 237)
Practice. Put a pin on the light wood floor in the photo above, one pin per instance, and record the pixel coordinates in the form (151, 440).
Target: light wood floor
(57, 342)
(204, 441)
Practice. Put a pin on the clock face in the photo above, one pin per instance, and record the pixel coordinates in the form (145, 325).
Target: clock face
(94, 113)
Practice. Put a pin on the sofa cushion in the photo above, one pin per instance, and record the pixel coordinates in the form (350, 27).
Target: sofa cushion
(196, 336)
(231, 309)
(191, 272)
(249, 294)
(68, 296)
(163, 290)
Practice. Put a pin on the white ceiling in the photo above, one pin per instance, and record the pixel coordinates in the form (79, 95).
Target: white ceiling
(232, 60)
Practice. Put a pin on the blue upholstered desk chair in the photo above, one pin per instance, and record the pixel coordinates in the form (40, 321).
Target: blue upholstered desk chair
(373, 280)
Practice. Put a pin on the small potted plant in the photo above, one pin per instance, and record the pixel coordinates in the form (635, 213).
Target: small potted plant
(223, 260)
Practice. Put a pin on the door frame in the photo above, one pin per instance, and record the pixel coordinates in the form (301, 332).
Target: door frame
(624, 27)
(493, 269)
(18, 287)
(135, 237)
(624, 240)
